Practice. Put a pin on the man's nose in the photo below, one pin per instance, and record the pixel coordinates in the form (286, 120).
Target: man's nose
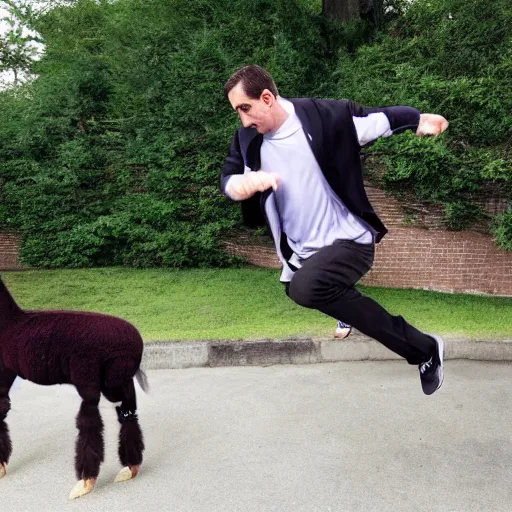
(246, 122)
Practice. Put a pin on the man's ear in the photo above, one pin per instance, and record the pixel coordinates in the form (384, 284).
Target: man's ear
(267, 97)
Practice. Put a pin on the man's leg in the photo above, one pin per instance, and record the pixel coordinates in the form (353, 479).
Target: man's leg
(326, 282)
(342, 329)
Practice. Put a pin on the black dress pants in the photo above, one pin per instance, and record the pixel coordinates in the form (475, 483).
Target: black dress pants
(326, 282)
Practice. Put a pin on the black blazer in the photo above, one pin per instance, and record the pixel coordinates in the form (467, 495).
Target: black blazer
(332, 135)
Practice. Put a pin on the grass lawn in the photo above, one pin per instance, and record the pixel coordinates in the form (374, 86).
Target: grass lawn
(246, 303)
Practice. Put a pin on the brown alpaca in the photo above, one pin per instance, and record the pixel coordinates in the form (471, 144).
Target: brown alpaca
(97, 354)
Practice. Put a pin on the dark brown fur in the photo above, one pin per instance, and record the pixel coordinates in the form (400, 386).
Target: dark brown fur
(96, 353)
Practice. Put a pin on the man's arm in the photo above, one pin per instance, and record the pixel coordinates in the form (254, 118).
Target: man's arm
(236, 183)
(233, 167)
(372, 123)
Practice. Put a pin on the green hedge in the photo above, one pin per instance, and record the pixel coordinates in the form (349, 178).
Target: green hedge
(454, 58)
(112, 156)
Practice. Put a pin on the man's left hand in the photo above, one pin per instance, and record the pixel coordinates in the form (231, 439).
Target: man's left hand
(431, 124)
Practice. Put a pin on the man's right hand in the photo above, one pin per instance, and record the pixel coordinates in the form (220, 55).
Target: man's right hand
(243, 186)
(431, 124)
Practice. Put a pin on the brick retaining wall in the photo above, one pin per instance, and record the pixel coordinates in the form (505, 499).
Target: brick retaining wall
(425, 257)
(9, 249)
(441, 260)
(418, 258)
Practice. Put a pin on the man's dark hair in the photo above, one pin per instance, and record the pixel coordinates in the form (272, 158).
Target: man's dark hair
(254, 81)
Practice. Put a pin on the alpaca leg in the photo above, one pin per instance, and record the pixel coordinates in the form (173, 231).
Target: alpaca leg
(89, 443)
(131, 443)
(6, 380)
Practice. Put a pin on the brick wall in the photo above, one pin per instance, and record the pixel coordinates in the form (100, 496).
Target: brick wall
(418, 255)
(441, 260)
(9, 248)
(422, 255)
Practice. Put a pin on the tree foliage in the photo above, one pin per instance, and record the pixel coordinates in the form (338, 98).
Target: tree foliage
(454, 58)
(112, 155)
(19, 45)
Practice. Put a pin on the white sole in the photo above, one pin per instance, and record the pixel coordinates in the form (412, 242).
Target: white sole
(342, 333)
(440, 345)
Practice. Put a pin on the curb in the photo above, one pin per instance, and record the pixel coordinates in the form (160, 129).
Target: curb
(193, 354)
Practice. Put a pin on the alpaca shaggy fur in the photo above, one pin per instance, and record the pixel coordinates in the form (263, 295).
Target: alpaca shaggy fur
(96, 353)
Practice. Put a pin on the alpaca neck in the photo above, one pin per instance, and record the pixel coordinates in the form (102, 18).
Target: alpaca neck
(9, 310)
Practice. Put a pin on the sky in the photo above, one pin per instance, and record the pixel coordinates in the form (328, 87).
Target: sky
(7, 78)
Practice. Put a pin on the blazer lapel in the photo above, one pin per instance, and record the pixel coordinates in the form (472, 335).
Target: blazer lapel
(312, 126)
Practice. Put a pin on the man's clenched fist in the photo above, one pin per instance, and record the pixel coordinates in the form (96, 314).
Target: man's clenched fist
(243, 186)
(431, 124)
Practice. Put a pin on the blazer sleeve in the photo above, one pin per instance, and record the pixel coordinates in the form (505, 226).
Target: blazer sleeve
(233, 164)
(373, 122)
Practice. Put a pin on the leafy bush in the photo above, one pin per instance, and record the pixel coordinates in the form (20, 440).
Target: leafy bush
(112, 156)
(454, 58)
(503, 230)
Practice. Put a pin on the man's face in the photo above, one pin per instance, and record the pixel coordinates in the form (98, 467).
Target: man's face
(254, 113)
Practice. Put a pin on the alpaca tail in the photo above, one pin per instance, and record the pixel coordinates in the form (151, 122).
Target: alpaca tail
(142, 379)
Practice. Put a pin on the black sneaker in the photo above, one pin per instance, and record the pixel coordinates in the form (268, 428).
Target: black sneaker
(432, 371)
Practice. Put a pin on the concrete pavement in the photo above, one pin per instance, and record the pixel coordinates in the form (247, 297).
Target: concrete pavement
(344, 437)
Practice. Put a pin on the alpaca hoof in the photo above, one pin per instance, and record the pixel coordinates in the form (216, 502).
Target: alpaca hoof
(127, 473)
(82, 488)
(3, 470)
